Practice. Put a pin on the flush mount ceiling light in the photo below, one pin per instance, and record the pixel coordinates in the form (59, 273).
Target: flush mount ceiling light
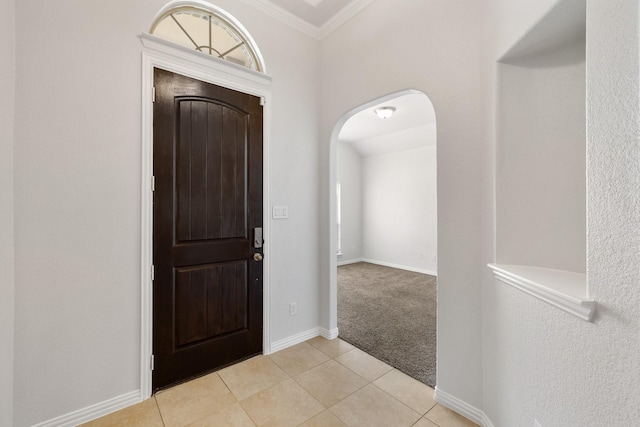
(384, 112)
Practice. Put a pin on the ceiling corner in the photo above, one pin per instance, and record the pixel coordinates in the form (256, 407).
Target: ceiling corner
(345, 14)
(285, 17)
(305, 27)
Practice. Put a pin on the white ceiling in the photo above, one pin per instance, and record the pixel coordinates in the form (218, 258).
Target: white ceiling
(316, 18)
(412, 125)
(315, 12)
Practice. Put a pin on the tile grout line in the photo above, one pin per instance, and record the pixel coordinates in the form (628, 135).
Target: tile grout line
(382, 375)
(159, 411)
(227, 385)
(278, 383)
(255, 423)
(292, 377)
(377, 378)
(331, 358)
(401, 402)
(326, 408)
(226, 407)
(369, 382)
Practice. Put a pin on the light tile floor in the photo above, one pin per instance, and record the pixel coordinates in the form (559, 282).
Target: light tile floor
(318, 383)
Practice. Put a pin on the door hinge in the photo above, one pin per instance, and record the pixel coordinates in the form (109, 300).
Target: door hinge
(153, 273)
(152, 362)
(153, 183)
(153, 94)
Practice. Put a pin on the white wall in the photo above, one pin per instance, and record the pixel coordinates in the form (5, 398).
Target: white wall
(349, 175)
(540, 170)
(294, 249)
(400, 209)
(77, 202)
(7, 92)
(436, 49)
(77, 195)
(539, 362)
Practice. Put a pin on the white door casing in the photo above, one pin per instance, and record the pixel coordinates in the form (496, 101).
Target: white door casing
(159, 53)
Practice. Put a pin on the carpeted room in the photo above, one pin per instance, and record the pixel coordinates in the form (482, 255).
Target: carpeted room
(387, 232)
(391, 314)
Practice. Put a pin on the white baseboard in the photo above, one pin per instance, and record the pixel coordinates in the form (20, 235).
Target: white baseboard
(463, 408)
(349, 261)
(294, 339)
(94, 411)
(302, 337)
(329, 334)
(120, 402)
(400, 267)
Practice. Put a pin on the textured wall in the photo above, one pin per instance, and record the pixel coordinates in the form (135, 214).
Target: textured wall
(7, 91)
(542, 363)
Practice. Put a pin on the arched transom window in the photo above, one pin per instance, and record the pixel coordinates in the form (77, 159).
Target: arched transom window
(208, 29)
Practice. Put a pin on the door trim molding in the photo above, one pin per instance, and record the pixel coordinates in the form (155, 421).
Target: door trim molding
(158, 53)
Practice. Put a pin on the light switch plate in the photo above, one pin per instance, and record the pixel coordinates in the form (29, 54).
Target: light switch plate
(280, 212)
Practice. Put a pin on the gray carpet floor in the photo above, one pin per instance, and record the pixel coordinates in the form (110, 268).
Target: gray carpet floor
(390, 314)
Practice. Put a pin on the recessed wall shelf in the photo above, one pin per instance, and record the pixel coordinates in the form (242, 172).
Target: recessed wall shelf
(541, 133)
(563, 289)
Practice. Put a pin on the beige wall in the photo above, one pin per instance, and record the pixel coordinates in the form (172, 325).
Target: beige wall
(399, 205)
(76, 183)
(7, 92)
(77, 186)
(433, 47)
(349, 175)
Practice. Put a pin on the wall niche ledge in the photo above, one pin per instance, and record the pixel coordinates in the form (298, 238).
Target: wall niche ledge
(563, 289)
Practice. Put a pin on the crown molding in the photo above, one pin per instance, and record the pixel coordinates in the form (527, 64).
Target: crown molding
(285, 17)
(317, 33)
(348, 12)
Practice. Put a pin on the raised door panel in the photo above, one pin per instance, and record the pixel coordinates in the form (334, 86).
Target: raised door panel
(211, 171)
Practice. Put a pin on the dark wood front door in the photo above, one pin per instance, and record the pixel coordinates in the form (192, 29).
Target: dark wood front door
(207, 290)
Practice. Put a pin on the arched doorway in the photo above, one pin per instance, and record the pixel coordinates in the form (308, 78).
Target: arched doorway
(386, 185)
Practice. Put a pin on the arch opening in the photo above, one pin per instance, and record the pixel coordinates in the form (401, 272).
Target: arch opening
(398, 163)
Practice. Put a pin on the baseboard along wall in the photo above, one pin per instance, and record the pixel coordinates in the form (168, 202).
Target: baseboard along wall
(120, 402)
(388, 264)
(302, 337)
(94, 411)
(400, 267)
(349, 261)
(463, 408)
